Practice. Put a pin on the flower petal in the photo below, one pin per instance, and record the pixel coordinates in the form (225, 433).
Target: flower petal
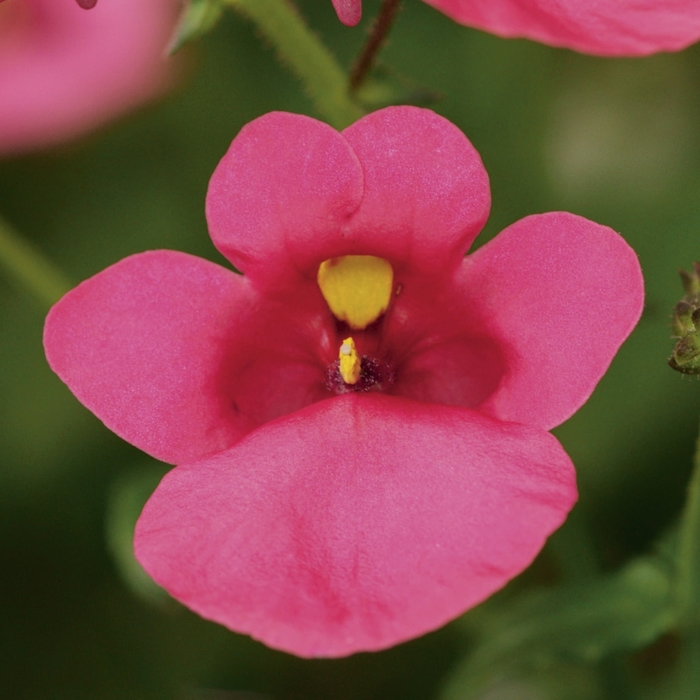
(286, 195)
(349, 11)
(141, 345)
(560, 293)
(64, 71)
(426, 191)
(619, 28)
(281, 195)
(355, 524)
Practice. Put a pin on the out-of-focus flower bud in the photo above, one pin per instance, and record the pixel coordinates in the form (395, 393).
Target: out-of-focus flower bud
(686, 325)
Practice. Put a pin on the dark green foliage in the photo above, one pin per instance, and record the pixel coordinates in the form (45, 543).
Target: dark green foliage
(603, 613)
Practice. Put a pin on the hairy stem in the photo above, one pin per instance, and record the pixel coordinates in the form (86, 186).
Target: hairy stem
(306, 56)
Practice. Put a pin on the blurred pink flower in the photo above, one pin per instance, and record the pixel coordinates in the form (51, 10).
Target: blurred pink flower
(64, 71)
(349, 11)
(603, 27)
(320, 519)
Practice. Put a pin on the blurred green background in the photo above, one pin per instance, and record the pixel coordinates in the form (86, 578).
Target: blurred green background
(617, 141)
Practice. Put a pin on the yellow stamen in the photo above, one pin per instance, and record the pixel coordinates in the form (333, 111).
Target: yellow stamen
(350, 362)
(357, 288)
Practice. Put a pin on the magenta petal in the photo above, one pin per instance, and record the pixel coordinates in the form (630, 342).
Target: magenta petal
(349, 11)
(355, 524)
(142, 343)
(607, 27)
(426, 191)
(561, 294)
(279, 198)
(286, 195)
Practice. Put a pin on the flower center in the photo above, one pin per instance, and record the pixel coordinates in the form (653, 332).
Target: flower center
(357, 288)
(352, 372)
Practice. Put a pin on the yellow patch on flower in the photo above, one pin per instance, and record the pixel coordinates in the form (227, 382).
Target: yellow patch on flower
(357, 288)
(350, 362)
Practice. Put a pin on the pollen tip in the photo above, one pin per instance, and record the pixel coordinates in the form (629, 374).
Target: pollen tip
(350, 362)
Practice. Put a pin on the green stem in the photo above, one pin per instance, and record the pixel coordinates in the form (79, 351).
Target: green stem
(306, 56)
(687, 587)
(688, 573)
(28, 267)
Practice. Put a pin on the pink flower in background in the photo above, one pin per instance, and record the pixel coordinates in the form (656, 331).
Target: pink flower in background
(618, 28)
(349, 11)
(65, 71)
(361, 418)
(603, 27)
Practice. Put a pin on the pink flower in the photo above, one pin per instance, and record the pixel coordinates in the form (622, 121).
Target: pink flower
(603, 27)
(349, 11)
(316, 517)
(64, 71)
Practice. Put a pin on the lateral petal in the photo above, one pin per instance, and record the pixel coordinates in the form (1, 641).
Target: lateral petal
(560, 294)
(181, 358)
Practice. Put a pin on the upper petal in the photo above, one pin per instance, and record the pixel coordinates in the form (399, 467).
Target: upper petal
(426, 192)
(559, 294)
(355, 524)
(280, 195)
(402, 184)
(619, 28)
(142, 344)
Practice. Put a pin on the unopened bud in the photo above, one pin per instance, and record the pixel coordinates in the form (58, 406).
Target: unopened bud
(686, 325)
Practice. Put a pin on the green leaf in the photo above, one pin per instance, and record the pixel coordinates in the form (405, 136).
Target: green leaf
(571, 624)
(197, 18)
(127, 497)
